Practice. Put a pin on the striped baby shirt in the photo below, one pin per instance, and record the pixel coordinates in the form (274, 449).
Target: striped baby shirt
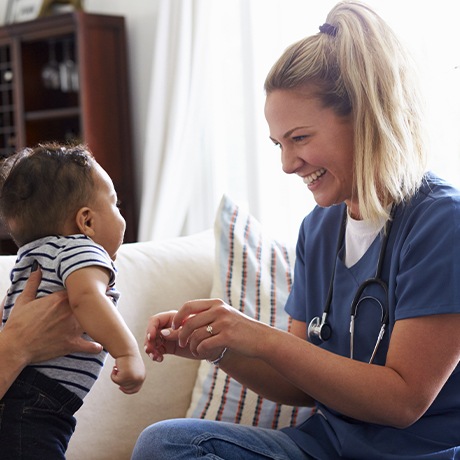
(58, 257)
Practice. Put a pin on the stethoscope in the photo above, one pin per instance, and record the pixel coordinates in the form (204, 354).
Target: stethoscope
(320, 329)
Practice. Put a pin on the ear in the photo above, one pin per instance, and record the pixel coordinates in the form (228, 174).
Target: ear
(85, 221)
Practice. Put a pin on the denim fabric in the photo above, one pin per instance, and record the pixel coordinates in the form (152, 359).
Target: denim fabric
(186, 439)
(36, 418)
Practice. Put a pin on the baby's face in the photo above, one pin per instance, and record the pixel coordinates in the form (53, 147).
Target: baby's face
(109, 225)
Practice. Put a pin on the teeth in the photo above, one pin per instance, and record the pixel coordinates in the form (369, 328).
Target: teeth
(312, 177)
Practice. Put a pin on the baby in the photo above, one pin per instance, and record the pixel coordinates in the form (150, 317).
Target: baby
(60, 208)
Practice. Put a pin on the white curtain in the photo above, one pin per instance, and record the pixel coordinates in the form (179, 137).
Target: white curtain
(172, 152)
(206, 130)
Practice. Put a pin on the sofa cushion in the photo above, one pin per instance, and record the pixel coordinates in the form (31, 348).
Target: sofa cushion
(253, 273)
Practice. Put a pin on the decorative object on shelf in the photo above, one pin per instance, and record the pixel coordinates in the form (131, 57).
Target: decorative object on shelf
(22, 10)
(68, 69)
(61, 74)
(51, 76)
(59, 6)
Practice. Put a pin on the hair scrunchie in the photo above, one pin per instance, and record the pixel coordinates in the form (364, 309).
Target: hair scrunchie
(328, 29)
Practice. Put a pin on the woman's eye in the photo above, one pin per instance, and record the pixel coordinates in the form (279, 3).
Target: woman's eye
(299, 138)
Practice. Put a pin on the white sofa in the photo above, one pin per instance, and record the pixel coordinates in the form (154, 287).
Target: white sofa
(152, 277)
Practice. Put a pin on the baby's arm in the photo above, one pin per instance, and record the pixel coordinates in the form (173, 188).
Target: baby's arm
(100, 319)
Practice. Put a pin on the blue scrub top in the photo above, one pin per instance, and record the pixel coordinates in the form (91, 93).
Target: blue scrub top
(422, 269)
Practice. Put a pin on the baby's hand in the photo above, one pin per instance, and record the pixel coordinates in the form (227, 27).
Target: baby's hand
(155, 344)
(129, 373)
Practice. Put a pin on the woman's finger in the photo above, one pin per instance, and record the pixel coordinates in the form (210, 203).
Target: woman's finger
(30, 290)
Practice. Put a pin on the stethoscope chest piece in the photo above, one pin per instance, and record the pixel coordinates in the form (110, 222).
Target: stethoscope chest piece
(319, 330)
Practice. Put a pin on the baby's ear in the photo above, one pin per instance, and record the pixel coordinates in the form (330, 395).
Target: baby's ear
(84, 221)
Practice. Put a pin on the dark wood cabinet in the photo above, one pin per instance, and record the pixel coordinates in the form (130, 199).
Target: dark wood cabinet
(64, 78)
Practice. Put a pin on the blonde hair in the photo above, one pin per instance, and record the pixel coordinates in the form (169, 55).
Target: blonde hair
(358, 66)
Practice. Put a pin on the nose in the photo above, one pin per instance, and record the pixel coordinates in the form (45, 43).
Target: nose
(290, 161)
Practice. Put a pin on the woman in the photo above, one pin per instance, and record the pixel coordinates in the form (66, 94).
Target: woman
(385, 238)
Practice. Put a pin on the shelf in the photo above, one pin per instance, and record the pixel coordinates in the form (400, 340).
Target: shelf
(65, 112)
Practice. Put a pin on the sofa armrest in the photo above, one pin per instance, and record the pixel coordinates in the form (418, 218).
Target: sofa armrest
(152, 277)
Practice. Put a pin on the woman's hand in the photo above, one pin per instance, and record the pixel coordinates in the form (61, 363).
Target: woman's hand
(207, 327)
(203, 329)
(45, 328)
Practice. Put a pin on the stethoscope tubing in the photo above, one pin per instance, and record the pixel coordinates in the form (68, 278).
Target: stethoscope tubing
(320, 328)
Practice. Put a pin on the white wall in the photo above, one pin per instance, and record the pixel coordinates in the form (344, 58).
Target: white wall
(140, 18)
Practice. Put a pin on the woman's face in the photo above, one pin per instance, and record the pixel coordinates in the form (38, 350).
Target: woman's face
(316, 144)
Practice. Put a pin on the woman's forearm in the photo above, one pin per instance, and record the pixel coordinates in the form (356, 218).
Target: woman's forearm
(12, 361)
(263, 380)
(396, 394)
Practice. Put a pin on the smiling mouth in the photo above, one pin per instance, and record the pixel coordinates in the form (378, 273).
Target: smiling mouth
(314, 176)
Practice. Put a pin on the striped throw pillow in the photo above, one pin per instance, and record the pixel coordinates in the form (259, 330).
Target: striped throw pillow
(253, 273)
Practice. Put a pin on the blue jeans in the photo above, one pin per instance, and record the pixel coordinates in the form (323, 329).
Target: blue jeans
(186, 439)
(36, 418)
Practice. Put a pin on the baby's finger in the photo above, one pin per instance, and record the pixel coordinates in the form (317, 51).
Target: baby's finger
(169, 334)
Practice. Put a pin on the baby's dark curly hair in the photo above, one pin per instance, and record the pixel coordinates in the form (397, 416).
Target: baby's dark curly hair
(41, 187)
